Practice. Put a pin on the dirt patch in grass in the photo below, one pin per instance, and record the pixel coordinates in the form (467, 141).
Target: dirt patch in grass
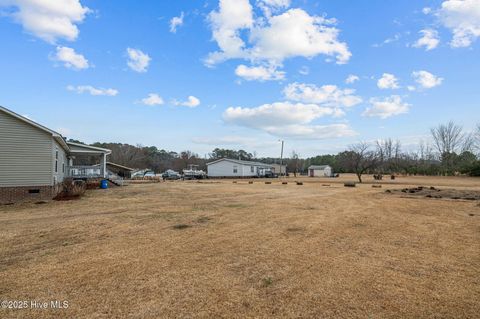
(433, 192)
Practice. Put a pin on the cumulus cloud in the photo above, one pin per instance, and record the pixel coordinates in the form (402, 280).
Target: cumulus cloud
(287, 119)
(176, 22)
(270, 6)
(429, 39)
(259, 73)
(426, 79)
(92, 90)
(462, 17)
(137, 60)
(48, 20)
(326, 95)
(272, 38)
(388, 81)
(70, 58)
(275, 114)
(352, 78)
(191, 102)
(152, 99)
(387, 107)
(226, 23)
(296, 33)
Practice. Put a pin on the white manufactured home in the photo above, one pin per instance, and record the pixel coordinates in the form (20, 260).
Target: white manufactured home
(35, 159)
(320, 171)
(226, 167)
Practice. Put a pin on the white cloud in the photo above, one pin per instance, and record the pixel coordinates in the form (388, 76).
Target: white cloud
(48, 19)
(304, 70)
(269, 6)
(176, 22)
(70, 58)
(387, 107)
(388, 81)
(393, 39)
(317, 132)
(274, 38)
(427, 10)
(232, 16)
(326, 95)
(296, 33)
(429, 39)
(191, 102)
(462, 17)
(275, 114)
(137, 60)
(260, 73)
(153, 99)
(92, 90)
(287, 119)
(426, 79)
(352, 78)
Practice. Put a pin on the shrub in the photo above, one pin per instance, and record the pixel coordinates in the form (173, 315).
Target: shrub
(71, 189)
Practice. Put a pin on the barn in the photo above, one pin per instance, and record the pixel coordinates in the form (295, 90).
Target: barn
(226, 167)
(320, 171)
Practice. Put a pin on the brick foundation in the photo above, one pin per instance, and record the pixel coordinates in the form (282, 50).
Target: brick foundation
(10, 195)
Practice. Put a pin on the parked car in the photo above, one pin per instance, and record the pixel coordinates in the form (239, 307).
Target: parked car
(149, 174)
(270, 174)
(170, 174)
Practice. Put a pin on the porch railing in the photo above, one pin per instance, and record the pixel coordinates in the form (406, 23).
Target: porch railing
(84, 171)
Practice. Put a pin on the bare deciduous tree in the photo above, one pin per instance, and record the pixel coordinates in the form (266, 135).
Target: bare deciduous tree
(360, 159)
(294, 160)
(448, 138)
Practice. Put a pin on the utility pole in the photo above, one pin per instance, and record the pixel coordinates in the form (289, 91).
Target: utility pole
(281, 160)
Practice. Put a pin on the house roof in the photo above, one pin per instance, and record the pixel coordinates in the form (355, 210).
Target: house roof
(319, 167)
(78, 148)
(120, 166)
(57, 136)
(240, 162)
(68, 146)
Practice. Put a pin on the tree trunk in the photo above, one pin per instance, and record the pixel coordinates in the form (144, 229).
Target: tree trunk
(359, 175)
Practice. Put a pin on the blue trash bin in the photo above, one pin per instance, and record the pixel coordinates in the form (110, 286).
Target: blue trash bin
(104, 184)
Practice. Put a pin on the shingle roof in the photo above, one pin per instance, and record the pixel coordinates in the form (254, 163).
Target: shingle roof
(241, 162)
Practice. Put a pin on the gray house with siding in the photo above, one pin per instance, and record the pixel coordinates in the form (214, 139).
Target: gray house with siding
(34, 159)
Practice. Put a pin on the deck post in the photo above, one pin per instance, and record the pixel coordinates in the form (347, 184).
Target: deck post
(104, 165)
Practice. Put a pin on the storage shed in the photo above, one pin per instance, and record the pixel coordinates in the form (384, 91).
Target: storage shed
(320, 171)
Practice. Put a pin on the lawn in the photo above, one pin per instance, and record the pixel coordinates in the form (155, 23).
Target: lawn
(233, 250)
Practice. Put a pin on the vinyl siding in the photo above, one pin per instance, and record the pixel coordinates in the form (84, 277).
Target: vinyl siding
(225, 169)
(62, 160)
(327, 172)
(25, 154)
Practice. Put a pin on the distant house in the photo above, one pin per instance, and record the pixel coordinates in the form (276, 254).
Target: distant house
(320, 171)
(34, 159)
(226, 167)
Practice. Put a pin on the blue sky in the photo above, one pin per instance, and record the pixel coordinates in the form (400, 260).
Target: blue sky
(242, 74)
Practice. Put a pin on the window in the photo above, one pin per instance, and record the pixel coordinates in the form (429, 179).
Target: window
(63, 167)
(56, 161)
(235, 170)
(252, 169)
(33, 191)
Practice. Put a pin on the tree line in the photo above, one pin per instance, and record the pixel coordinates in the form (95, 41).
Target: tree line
(450, 151)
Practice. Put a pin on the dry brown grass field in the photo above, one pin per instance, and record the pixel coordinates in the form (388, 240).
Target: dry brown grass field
(218, 249)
